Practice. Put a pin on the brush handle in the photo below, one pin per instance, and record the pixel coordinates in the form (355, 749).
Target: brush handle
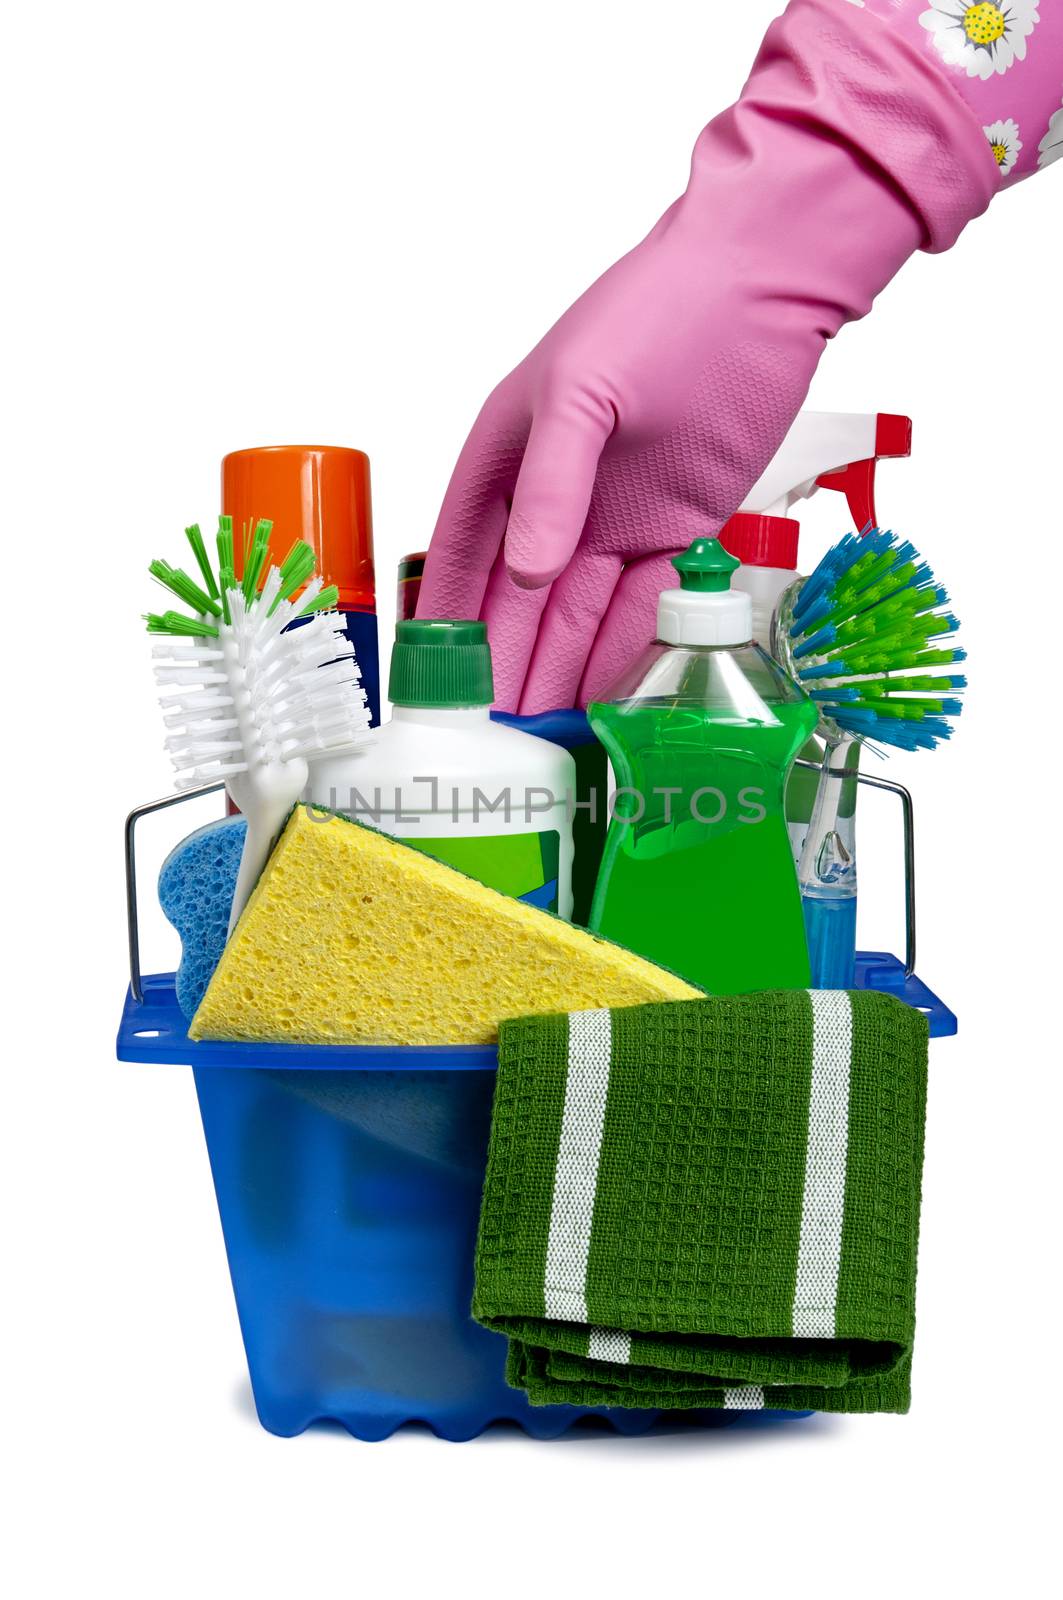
(829, 908)
(265, 795)
(830, 930)
(824, 820)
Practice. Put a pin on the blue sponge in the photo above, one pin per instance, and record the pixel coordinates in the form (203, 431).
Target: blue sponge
(196, 887)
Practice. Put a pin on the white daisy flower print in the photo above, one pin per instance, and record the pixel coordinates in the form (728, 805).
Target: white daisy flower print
(983, 38)
(1005, 144)
(1051, 147)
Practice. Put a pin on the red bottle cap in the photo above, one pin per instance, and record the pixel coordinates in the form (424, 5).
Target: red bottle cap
(761, 541)
(319, 493)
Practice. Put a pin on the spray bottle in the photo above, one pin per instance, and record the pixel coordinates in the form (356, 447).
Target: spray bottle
(823, 450)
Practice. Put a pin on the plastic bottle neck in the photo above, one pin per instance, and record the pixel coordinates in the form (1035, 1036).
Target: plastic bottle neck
(443, 716)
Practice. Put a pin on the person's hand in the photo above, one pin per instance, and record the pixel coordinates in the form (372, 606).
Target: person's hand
(650, 409)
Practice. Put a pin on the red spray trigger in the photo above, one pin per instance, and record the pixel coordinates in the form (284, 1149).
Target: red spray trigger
(893, 437)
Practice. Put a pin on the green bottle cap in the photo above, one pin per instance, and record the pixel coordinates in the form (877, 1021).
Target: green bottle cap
(436, 664)
(705, 565)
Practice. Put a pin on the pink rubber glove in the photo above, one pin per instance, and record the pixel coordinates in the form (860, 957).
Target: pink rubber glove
(648, 411)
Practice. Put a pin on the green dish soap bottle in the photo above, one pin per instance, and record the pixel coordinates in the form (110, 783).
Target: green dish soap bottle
(702, 730)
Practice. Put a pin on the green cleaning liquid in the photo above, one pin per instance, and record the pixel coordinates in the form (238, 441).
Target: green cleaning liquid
(702, 730)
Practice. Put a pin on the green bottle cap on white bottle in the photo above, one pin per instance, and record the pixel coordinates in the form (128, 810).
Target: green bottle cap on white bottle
(705, 610)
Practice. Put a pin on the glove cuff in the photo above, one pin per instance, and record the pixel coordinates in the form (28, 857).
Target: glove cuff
(828, 69)
(1003, 60)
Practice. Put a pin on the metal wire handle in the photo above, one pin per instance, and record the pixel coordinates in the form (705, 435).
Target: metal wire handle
(133, 921)
(132, 918)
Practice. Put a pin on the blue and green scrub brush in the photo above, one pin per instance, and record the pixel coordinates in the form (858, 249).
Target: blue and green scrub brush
(264, 681)
(864, 636)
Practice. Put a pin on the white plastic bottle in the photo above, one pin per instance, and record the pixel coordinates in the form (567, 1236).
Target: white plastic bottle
(491, 801)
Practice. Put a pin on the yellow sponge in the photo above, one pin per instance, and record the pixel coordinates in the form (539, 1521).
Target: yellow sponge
(353, 938)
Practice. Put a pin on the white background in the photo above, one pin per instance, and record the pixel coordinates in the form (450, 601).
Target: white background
(232, 224)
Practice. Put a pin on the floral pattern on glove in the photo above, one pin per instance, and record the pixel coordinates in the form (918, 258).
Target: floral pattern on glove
(1003, 57)
(1005, 144)
(1051, 147)
(983, 39)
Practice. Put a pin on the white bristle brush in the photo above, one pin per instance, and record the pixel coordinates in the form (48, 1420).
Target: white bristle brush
(256, 697)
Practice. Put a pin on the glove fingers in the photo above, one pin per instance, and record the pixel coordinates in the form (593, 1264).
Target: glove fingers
(629, 625)
(472, 520)
(554, 488)
(512, 616)
(578, 601)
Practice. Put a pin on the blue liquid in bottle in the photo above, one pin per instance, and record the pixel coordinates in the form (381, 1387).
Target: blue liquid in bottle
(830, 927)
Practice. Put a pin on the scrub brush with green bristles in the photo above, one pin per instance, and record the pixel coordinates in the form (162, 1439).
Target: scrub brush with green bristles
(255, 696)
(859, 634)
(866, 637)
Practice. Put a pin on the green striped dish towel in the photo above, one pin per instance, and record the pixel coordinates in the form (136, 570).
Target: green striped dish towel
(708, 1203)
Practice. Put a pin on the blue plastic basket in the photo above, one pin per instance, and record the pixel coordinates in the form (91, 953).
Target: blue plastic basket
(348, 1182)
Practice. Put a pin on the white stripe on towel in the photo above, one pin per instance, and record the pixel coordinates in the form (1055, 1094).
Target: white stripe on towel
(745, 1397)
(606, 1345)
(590, 1040)
(823, 1207)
